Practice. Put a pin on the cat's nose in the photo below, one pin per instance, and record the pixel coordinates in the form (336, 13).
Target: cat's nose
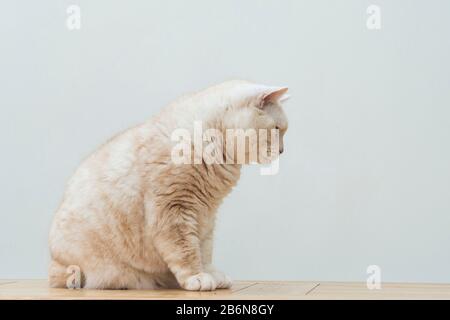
(281, 150)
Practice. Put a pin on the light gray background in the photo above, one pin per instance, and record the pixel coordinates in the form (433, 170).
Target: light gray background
(365, 178)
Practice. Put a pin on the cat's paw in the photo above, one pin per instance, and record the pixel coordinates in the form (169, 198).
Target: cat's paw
(200, 282)
(223, 281)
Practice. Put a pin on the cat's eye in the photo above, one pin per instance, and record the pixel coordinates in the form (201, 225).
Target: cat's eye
(276, 127)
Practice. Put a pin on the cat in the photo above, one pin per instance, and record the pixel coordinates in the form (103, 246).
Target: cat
(131, 218)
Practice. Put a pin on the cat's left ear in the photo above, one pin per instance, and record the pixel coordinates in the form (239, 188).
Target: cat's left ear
(273, 95)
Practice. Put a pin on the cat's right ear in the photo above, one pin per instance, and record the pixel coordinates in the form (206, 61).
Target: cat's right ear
(272, 95)
(284, 98)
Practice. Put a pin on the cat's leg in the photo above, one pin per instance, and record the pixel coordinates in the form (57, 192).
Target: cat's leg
(223, 281)
(177, 241)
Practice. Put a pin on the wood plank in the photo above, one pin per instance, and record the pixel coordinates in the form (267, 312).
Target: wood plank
(276, 290)
(349, 290)
(271, 290)
(38, 289)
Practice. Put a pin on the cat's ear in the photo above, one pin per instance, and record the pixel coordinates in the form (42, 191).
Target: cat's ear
(284, 98)
(272, 95)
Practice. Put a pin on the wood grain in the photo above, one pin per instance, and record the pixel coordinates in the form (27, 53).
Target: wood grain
(241, 290)
(349, 290)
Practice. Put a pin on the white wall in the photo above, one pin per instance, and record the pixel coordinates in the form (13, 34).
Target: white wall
(365, 178)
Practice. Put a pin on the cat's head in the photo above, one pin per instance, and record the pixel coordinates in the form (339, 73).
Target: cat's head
(257, 109)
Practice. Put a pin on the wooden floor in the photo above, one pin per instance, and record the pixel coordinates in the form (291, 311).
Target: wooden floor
(38, 289)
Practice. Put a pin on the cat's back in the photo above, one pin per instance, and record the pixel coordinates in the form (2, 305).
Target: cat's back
(202, 105)
(116, 170)
(111, 176)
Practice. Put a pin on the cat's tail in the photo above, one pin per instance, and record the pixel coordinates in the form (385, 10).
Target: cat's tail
(61, 276)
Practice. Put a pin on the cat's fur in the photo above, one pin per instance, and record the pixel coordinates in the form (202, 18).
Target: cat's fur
(131, 218)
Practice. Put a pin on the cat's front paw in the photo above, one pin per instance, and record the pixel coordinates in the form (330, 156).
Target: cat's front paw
(223, 281)
(200, 282)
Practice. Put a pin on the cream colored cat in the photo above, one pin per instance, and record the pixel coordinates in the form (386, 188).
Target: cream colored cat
(132, 218)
